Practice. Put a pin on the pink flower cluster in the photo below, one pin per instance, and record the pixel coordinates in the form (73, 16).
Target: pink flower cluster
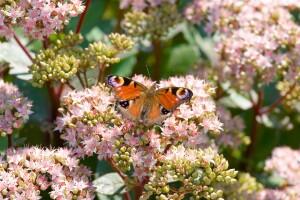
(233, 135)
(14, 108)
(139, 5)
(191, 122)
(39, 18)
(85, 122)
(28, 171)
(90, 124)
(259, 38)
(284, 162)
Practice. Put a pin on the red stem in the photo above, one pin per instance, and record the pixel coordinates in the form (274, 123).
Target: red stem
(54, 100)
(220, 93)
(258, 111)
(139, 190)
(3, 70)
(85, 78)
(119, 19)
(123, 176)
(23, 47)
(254, 134)
(113, 165)
(80, 80)
(9, 142)
(70, 85)
(127, 196)
(101, 73)
(157, 51)
(60, 89)
(82, 16)
(277, 102)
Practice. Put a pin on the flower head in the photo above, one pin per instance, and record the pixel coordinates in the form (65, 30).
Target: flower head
(258, 39)
(38, 18)
(14, 108)
(28, 171)
(91, 125)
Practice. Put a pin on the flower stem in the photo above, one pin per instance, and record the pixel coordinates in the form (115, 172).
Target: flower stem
(9, 142)
(220, 93)
(82, 16)
(138, 191)
(80, 80)
(113, 165)
(70, 85)
(3, 70)
(23, 47)
(119, 19)
(85, 78)
(277, 102)
(54, 100)
(60, 89)
(101, 73)
(254, 133)
(157, 51)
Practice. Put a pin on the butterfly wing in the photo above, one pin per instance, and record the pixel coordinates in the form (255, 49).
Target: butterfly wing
(170, 98)
(138, 103)
(125, 88)
(129, 95)
(165, 101)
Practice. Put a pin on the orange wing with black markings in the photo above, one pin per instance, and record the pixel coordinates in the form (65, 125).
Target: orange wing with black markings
(172, 97)
(125, 88)
(147, 105)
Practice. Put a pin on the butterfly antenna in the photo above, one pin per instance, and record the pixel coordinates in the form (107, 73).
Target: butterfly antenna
(148, 71)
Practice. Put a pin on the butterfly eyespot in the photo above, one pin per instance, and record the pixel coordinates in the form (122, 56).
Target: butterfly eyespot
(183, 94)
(164, 111)
(124, 104)
(115, 81)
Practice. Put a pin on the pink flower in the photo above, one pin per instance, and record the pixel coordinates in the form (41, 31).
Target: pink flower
(286, 163)
(11, 100)
(199, 114)
(32, 169)
(90, 124)
(29, 15)
(254, 43)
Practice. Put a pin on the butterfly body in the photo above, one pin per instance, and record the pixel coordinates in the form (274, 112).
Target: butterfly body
(146, 105)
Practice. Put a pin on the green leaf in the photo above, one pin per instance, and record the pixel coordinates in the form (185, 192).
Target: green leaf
(3, 144)
(113, 197)
(275, 181)
(236, 100)
(19, 63)
(109, 184)
(126, 65)
(187, 34)
(92, 19)
(94, 35)
(39, 120)
(179, 59)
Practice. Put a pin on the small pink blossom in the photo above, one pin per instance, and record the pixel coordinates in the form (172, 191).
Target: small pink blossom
(101, 130)
(253, 42)
(11, 100)
(30, 15)
(30, 170)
